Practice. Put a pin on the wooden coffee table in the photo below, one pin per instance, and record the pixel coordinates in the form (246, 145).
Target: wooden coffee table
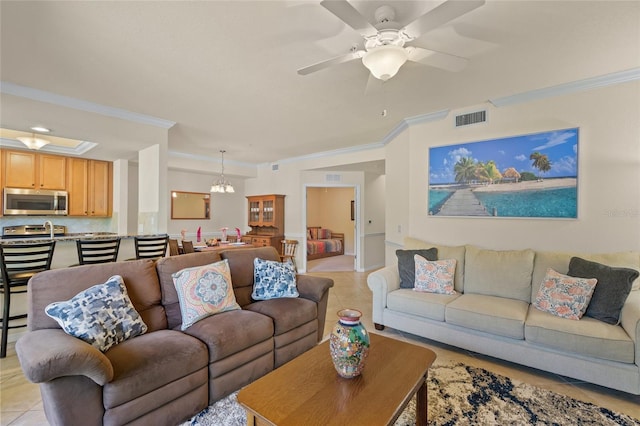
(308, 391)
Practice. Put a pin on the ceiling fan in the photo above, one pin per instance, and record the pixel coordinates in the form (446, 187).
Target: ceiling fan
(384, 43)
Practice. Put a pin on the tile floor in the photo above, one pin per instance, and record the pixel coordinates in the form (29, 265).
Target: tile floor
(20, 402)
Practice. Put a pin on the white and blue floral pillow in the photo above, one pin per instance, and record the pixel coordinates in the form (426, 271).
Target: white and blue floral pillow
(272, 280)
(102, 315)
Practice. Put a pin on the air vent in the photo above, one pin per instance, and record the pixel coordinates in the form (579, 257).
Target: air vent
(333, 178)
(274, 167)
(471, 118)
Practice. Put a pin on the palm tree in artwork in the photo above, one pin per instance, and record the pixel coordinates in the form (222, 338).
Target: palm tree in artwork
(490, 172)
(465, 170)
(540, 162)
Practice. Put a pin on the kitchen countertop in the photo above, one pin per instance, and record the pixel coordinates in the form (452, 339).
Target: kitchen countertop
(69, 237)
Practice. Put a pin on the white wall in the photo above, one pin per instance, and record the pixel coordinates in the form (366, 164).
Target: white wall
(608, 187)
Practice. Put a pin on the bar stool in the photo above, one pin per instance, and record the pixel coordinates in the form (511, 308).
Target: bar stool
(102, 250)
(151, 247)
(19, 262)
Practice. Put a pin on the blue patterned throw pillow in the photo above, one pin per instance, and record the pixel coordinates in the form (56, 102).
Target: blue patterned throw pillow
(273, 280)
(102, 315)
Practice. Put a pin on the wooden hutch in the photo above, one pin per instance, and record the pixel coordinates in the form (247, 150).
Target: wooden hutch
(266, 219)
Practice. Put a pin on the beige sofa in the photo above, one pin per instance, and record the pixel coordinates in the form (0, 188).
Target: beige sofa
(492, 314)
(166, 375)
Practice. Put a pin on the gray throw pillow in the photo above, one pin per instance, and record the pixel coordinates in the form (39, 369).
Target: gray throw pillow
(612, 289)
(407, 265)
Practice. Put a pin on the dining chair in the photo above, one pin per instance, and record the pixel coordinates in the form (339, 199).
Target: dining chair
(289, 251)
(20, 262)
(174, 248)
(102, 250)
(151, 247)
(187, 247)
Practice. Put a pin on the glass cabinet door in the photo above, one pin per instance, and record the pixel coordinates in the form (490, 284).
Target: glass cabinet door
(267, 211)
(254, 211)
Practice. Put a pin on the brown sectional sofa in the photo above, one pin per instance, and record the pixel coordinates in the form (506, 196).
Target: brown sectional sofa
(165, 375)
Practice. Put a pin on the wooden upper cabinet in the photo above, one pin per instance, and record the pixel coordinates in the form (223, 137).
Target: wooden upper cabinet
(266, 211)
(100, 188)
(89, 183)
(23, 169)
(78, 186)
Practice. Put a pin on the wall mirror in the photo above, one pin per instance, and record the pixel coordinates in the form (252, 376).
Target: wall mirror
(190, 205)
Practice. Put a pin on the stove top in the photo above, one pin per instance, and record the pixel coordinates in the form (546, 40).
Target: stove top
(30, 231)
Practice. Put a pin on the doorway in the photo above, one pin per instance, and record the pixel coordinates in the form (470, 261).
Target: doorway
(332, 208)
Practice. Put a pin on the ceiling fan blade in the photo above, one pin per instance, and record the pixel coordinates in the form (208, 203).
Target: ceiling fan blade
(445, 12)
(347, 13)
(437, 59)
(331, 62)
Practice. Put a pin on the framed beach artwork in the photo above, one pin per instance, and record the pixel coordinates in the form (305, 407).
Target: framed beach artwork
(526, 176)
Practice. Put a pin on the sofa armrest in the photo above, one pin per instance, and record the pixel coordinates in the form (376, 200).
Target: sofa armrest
(316, 289)
(381, 282)
(51, 353)
(630, 320)
(312, 287)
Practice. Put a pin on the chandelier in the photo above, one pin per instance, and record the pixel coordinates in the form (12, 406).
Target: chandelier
(222, 184)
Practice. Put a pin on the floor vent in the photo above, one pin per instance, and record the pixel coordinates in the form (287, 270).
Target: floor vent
(471, 118)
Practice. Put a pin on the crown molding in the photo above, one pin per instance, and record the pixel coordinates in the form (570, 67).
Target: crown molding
(9, 88)
(572, 87)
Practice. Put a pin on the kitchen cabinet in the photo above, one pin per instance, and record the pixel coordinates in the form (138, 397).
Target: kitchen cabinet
(25, 169)
(266, 219)
(89, 183)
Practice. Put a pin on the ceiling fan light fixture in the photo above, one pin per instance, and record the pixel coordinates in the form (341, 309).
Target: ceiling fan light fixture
(222, 185)
(32, 142)
(385, 61)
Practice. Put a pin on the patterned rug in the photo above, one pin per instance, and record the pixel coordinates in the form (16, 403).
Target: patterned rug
(462, 395)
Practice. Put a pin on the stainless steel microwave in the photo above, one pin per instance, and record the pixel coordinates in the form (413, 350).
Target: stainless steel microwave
(34, 202)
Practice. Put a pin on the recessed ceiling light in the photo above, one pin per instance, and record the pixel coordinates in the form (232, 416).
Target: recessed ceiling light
(40, 129)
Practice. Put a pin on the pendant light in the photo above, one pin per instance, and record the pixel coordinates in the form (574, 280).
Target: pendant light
(32, 142)
(222, 184)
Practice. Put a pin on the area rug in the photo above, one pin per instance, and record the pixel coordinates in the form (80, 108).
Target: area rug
(462, 395)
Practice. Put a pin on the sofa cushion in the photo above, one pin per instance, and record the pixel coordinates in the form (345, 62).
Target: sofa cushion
(499, 273)
(241, 264)
(139, 276)
(102, 315)
(491, 314)
(614, 285)
(407, 266)
(587, 337)
(231, 332)
(151, 362)
(203, 291)
(564, 296)
(273, 279)
(427, 305)
(286, 314)
(444, 252)
(559, 261)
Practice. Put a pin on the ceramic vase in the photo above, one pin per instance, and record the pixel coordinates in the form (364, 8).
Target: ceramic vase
(349, 344)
